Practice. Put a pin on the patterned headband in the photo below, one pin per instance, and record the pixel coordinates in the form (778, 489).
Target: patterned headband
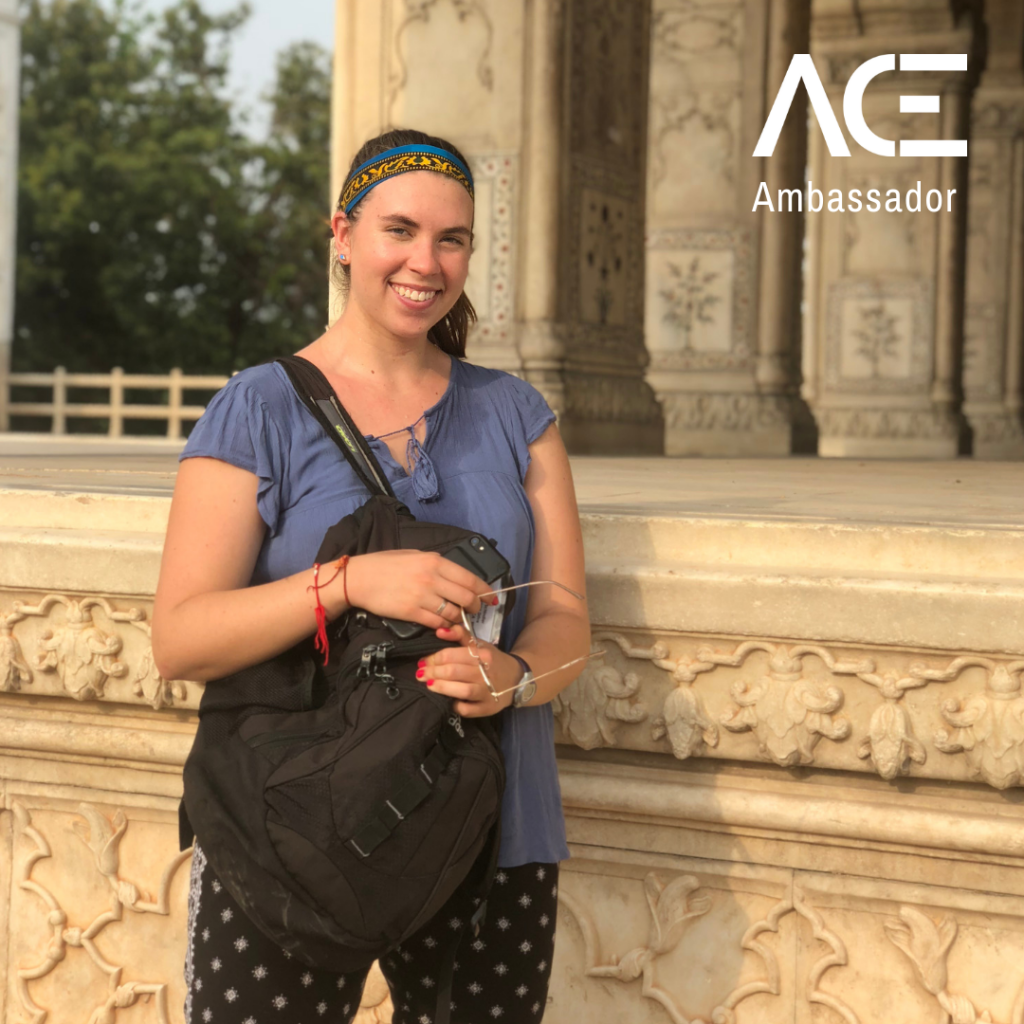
(397, 161)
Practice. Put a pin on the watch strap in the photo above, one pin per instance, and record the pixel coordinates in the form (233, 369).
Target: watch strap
(523, 664)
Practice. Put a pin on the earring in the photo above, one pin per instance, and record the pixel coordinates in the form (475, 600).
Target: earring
(341, 256)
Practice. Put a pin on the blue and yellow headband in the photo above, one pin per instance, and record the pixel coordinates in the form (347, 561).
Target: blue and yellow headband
(398, 161)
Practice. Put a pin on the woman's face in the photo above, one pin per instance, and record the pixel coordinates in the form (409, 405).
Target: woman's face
(408, 251)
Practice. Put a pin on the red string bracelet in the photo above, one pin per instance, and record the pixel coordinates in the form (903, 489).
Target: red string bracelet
(320, 643)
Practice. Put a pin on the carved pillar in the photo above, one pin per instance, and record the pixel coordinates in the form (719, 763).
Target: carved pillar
(609, 406)
(884, 288)
(994, 320)
(547, 100)
(722, 294)
(9, 66)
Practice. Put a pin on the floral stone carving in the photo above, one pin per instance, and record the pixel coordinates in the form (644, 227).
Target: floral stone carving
(14, 670)
(891, 743)
(926, 945)
(988, 727)
(683, 718)
(671, 905)
(590, 706)
(83, 654)
(674, 904)
(786, 712)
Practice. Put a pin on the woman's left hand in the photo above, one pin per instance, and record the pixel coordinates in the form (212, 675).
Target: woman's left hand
(455, 672)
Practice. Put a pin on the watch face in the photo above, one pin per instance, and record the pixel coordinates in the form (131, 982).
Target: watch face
(524, 694)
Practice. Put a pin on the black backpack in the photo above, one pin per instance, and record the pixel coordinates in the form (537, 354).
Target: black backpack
(342, 806)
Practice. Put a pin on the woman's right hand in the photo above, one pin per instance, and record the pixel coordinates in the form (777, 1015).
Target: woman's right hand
(411, 585)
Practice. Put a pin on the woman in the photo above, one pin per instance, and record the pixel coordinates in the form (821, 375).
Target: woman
(258, 486)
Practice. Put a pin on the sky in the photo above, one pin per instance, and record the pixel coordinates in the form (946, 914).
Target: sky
(273, 25)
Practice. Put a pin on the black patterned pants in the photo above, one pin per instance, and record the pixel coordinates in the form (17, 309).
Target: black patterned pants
(236, 975)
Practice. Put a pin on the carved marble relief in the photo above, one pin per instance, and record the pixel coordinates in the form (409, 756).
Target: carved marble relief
(699, 299)
(893, 713)
(898, 347)
(602, 224)
(60, 909)
(84, 648)
(698, 930)
(879, 337)
(927, 943)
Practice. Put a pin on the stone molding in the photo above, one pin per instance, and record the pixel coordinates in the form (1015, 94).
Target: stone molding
(788, 695)
(966, 722)
(887, 423)
(708, 410)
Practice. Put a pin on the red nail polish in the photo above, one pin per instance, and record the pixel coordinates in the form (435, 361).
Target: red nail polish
(430, 682)
(421, 662)
(420, 673)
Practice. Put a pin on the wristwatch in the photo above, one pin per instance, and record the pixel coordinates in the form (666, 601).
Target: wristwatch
(526, 688)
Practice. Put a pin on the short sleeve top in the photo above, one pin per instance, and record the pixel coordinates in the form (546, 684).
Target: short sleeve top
(473, 464)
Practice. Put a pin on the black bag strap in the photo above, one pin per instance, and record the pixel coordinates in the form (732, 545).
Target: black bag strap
(319, 397)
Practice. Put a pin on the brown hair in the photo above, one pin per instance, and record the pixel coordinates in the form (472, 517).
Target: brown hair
(449, 334)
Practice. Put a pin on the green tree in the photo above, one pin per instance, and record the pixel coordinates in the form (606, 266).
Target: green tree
(153, 232)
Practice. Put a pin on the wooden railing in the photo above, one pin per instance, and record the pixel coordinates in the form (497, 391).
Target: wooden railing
(115, 411)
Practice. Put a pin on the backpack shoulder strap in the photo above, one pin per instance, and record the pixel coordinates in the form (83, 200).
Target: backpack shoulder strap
(319, 397)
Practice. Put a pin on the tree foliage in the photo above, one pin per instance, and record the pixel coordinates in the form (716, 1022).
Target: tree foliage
(152, 231)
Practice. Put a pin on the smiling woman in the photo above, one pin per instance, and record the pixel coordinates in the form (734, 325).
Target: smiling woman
(260, 484)
(390, 158)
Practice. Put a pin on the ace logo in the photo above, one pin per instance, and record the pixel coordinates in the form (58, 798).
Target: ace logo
(802, 69)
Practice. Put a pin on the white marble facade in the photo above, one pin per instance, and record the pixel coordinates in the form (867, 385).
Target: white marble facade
(10, 59)
(792, 791)
(882, 327)
(720, 302)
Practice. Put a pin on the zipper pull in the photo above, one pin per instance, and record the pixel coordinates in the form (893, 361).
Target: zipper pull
(364, 662)
(456, 723)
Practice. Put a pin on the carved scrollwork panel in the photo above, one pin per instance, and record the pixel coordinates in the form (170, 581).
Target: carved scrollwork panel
(85, 648)
(73, 894)
(893, 713)
(589, 707)
(926, 943)
(713, 951)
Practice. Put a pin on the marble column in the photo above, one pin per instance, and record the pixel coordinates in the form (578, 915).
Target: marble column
(883, 289)
(994, 315)
(547, 100)
(722, 293)
(9, 64)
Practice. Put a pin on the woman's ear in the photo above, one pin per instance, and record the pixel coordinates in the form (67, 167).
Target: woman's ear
(341, 226)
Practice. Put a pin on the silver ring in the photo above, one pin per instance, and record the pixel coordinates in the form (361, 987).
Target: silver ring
(440, 610)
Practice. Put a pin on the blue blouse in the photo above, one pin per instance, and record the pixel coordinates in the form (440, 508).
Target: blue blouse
(470, 473)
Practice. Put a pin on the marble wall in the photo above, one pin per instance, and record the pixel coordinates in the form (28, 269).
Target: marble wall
(722, 292)
(9, 76)
(547, 102)
(883, 290)
(791, 791)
